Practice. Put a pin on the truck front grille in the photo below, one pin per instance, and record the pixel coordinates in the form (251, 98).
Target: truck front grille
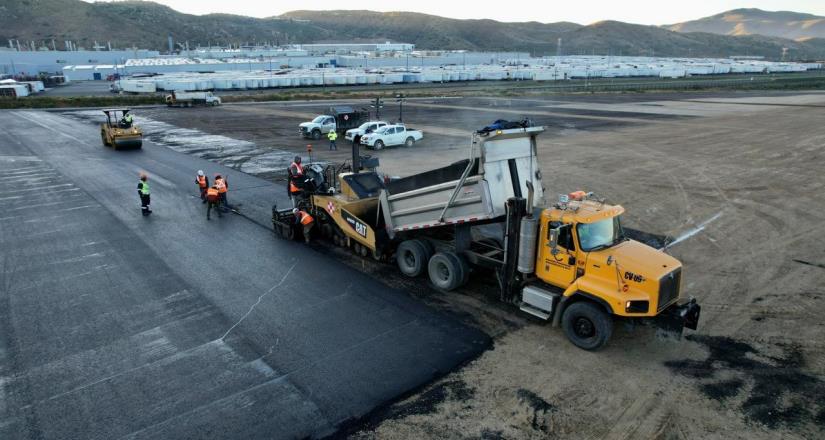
(669, 288)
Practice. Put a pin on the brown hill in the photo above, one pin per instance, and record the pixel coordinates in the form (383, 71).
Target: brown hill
(782, 24)
(146, 25)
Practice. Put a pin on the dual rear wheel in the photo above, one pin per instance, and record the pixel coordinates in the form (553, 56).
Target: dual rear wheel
(447, 270)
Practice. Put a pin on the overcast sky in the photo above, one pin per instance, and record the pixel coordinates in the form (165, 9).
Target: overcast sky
(584, 12)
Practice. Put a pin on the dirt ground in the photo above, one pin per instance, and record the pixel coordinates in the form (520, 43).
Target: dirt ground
(736, 179)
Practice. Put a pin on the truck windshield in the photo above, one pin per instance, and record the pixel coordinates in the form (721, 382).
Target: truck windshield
(601, 234)
(319, 119)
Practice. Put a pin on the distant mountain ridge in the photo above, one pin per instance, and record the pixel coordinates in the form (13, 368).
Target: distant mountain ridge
(146, 25)
(782, 24)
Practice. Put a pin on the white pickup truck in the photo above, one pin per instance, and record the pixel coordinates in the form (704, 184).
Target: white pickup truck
(365, 128)
(390, 135)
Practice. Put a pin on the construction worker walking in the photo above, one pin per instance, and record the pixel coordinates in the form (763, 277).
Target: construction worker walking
(304, 219)
(143, 192)
(332, 136)
(203, 184)
(213, 200)
(223, 187)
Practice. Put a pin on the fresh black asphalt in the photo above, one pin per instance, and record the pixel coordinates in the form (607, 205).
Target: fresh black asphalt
(113, 325)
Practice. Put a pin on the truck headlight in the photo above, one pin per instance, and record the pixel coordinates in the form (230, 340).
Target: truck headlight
(637, 306)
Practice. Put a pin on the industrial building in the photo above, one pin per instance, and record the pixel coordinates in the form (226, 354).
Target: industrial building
(16, 62)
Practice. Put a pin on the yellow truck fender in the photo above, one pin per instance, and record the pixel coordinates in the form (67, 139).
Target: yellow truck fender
(576, 292)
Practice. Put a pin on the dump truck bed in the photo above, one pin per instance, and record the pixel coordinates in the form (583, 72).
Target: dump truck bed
(475, 189)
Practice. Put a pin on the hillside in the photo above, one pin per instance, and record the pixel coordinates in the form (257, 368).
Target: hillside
(147, 24)
(137, 23)
(782, 24)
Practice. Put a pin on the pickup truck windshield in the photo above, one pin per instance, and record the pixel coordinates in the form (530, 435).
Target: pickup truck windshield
(319, 119)
(601, 234)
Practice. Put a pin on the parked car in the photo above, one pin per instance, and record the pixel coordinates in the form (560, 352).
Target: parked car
(365, 128)
(390, 135)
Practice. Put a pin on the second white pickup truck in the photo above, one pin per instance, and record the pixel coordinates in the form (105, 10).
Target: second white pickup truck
(390, 135)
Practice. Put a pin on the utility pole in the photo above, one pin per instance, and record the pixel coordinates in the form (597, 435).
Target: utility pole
(377, 104)
(400, 99)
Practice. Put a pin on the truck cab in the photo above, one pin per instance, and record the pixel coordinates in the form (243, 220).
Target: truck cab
(584, 251)
(320, 125)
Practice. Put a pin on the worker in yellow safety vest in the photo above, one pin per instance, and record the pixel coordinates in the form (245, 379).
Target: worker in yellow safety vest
(143, 192)
(332, 136)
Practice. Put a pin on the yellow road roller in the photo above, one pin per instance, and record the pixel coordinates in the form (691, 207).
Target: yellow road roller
(119, 130)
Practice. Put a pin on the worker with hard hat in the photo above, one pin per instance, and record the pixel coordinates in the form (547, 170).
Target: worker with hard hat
(295, 180)
(223, 187)
(143, 192)
(305, 220)
(127, 120)
(213, 200)
(332, 136)
(203, 184)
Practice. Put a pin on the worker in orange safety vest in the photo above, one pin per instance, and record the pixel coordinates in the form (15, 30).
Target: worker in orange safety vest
(295, 180)
(305, 220)
(223, 187)
(203, 184)
(213, 198)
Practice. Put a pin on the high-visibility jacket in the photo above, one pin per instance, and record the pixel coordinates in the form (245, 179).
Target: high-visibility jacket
(212, 194)
(202, 181)
(221, 184)
(293, 189)
(332, 135)
(128, 118)
(298, 170)
(144, 188)
(305, 218)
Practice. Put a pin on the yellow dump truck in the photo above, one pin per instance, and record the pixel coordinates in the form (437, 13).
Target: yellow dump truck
(569, 263)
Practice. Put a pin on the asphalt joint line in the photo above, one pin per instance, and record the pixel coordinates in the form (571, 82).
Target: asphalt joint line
(260, 298)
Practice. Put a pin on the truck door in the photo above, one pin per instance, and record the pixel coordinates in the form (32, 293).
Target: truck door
(329, 125)
(557, 267)
(400, 135)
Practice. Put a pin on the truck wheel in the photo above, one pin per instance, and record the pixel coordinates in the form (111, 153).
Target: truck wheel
(379, 145)
(445, 271)
(463, 265)
(409, 142)
(316, 134)
(103, 138)
(412, 257)
(586, 325)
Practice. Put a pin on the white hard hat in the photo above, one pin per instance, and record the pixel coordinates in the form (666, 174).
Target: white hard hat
(295, 210)
(200, 172)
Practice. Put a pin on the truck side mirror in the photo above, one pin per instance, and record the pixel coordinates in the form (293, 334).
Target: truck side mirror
(553, 241)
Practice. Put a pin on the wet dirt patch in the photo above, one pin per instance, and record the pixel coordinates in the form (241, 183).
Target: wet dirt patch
(779, 393)
(540, 408)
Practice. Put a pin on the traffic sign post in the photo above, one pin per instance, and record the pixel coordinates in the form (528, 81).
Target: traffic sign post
(400, 99)
(377, 104)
